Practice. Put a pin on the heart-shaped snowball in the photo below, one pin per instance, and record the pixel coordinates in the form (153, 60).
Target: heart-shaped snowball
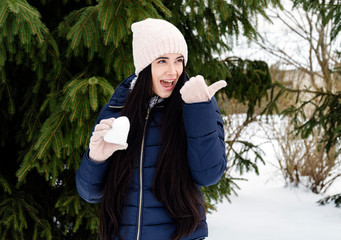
(118, 134)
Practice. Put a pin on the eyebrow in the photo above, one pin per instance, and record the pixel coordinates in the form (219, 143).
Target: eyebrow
(168, 57)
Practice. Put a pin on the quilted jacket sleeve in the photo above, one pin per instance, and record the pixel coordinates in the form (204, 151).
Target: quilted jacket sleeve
(205, 139)
(90, 179)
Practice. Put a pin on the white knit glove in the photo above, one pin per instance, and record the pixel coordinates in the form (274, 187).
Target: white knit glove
(101, 150)
(196, 90)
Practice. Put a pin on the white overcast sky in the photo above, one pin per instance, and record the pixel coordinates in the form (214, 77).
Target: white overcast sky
(278, 34)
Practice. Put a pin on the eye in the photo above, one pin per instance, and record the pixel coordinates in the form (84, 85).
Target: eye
(161, 61)
(180, 60)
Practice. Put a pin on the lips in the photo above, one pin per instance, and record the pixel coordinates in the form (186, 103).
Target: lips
(167, 84)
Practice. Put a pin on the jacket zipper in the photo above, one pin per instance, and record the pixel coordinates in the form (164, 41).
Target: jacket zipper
(141, 179)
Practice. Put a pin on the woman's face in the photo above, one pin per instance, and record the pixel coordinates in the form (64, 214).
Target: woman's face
(166, 71)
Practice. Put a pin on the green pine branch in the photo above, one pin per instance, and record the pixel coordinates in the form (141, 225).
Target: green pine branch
(5, 185)
(249, 82)
(329, 199)
(81, 98)
(222, 190)
(324, 119)
(15, 211)
(83, 32)
(72, 205)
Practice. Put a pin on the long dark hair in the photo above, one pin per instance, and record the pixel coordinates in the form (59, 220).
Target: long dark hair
(172, 184)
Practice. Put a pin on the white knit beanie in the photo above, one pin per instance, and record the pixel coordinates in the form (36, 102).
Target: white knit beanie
(153, 38)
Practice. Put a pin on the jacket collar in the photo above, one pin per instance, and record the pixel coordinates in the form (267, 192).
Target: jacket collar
(121, 92)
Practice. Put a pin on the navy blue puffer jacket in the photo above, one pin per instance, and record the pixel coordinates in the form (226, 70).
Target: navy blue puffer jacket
(206, 160)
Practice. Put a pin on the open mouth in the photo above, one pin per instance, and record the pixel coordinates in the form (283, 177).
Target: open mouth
(167, 84)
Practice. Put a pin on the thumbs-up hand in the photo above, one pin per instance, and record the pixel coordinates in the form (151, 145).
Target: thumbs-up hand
(196, 90)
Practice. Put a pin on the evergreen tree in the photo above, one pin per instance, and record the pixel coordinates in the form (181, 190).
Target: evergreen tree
(60, 61)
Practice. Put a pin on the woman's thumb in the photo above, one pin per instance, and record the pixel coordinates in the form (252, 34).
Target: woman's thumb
(216, 87)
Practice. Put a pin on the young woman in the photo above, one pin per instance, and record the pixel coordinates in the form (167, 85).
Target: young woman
(149, 188)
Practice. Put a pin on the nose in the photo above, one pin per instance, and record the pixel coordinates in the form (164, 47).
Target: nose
(171, 68)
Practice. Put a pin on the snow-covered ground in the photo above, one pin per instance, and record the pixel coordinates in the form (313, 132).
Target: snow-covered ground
(266, 209)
